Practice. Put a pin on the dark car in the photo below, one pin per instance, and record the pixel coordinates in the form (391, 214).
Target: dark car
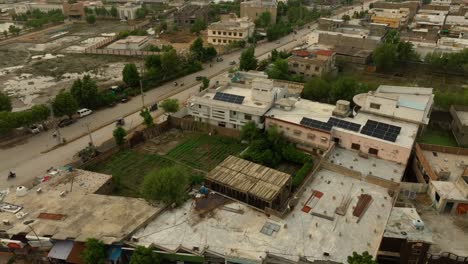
(199, 78)
(66, 122)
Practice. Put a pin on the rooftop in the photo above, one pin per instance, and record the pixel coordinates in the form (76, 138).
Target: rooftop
(457, 20)
(453, 163)
(132, 39)
(238, 235)
(59, 213)
(232, 24)
(260, 3)
(384, 169)
(462, 114)
(322, 112)
(429, 19)
(245, 176)
(401, 224)
(448, 190)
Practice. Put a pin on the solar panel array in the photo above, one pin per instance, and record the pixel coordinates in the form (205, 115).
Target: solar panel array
(381, 130)
(344, 124)
(316, 124)
(230, 98)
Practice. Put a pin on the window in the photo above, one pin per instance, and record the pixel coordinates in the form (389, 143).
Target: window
(224, 41)
(247, 117)
(224, 33)
(235, 34)
(375, 106)
(437, 196)
(214, 32)
(310, 136)
(295, 65)
(355, 146)
(297, 132)
(308, 67)
(373, 151)
(219, 32)
(323, 139)
(230, 33)
(240, 34)
(199, 106)
(317, 68)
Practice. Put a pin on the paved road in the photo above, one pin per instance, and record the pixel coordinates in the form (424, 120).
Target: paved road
(28, 161)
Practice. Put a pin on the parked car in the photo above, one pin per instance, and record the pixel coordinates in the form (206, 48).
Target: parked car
(199, 78)
(84, 112)
(153, 107)
(218, 59)
(65, 122)
(36, 129)
(232, 63)
(120, 121)
(124, 100)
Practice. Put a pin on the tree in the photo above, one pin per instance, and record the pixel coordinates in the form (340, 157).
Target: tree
(14, 30)
(316, 89)
(385, 57)
(147, 118)
(5, 33)
(114, 12)
(90, 19)
(365, 258)
(263, 20)
(167, 184)
(141, 13)
(64, 104)
(119, 134)
(85, 92)
(247, 60)
(153, 61)
(94, 252)
(346, 18)
(143, 255)
(406, 52)
(5, 102)
(170, 105)
(170, 62)
(249, 131)
(198, 26)
(130, 75)
(197, 49)
(205, 83)
(279, 71)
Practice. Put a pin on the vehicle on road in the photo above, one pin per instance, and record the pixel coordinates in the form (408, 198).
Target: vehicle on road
(232, 63)
(66, 122)
(84, 112)
(124, 100)
(199, 78)
(36, 129)
(153, 107)
(218, 59)
(120, 122)
(11, 175)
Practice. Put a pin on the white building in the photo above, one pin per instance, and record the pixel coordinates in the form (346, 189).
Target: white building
(230, 30)
(234, 104)
(130, 43)
(128, 11)
(21, 8)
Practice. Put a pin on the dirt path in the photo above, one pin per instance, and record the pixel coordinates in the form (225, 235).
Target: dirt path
(28, 36)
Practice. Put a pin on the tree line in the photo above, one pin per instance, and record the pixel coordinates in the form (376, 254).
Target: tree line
(37, 18)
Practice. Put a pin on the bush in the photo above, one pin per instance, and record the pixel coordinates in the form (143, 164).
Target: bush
(196, 179)
(290, 153)
(300, 175)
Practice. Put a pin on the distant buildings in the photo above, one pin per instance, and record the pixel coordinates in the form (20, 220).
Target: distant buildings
(23, 7)
(128, 11)
(393, 18)
(253, 9)
(312, 63)
(130, 43)
(230, 30)
(187, 14)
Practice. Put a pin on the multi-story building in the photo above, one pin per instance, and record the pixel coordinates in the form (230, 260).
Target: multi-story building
(128, 11)
(393, 18)
(230, 30)
(253, 9)
(312, 63)
(234, 104)
(430, 19)
(187, 14)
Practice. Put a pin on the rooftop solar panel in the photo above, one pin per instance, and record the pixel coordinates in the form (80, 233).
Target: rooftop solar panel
(344, 124)
(315, 124)
(381, 130)
(230, 98)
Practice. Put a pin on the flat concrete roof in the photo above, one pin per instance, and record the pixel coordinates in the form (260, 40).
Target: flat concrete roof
(450, 162)
(383, 169)
(463, 116)
(448, 190)
(322, 112)
(401, 225)
(77, 215)
(83, 181)
(132, 40)
(237, 235)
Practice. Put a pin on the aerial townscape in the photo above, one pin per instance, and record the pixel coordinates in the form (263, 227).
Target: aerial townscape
(234, 131)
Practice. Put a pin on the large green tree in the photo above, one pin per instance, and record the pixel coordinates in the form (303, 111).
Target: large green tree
(364, 258)
(263, 20)
(5, 102)
(279, 70)
(385, 57)
(130, 75)
(170, 105)
(143, 255)
(94, 252)
(197, 50)
(91, 19)
(316, 89)
(147, 118)
(119, 134)
(167, 184)
(249, 131)
(198, 26)
(247, 60)
(85, 92)
(170, 63)
(114, 12)
(64, 104)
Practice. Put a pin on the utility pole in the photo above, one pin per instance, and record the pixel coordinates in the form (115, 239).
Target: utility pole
(141, 86)
(57, 129)
(89, 134)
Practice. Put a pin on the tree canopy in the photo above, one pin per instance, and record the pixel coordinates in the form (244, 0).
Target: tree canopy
(393, 52)
(199, 52)
(247, 60)
(119, 134)
(147, 118)
(364, 258)
(90, 19)
(167, 184)
(263, 20)
(170, 105)
(11, 120)
(85, 92)
(316, 89)
(130, 75)
(143, 255)
(64, 104)
(94, 252)
(279, 70)
(198, 26)
(5, 102)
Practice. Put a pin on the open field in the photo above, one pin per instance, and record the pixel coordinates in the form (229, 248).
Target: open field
(437, 136)
(196, 152)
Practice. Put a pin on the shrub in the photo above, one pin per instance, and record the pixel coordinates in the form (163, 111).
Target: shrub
(298, 178)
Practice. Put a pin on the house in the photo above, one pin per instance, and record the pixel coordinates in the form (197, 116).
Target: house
(312, 63)
(230, 30)
(460, 124)
(393, 18)
(128, 11)
(130, 43)
(74, 10)
(430, 19)
(187, 14)
(234, 104)
(253, 9)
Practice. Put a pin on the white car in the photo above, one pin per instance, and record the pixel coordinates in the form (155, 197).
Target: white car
(84, 112)
(36, 129)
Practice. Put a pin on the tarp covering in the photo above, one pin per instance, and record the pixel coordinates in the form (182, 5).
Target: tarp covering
(75, 254)
(61, 250)
(113, 253)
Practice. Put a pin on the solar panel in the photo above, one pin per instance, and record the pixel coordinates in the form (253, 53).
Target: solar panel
(381, 130)
(230, 98)
(344, 124)
(315, 124)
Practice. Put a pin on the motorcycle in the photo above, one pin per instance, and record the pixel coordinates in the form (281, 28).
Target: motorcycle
(11, 175)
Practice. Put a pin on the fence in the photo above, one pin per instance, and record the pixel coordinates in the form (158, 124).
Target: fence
(191, 125)
(444, 149)
(446, 258)
(119, 52)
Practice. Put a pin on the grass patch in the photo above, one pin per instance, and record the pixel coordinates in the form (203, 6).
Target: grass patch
(436, 136)
(129, 167)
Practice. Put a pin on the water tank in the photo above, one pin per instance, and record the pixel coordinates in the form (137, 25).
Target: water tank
(21, 191)
(418, 224)
(342, 108)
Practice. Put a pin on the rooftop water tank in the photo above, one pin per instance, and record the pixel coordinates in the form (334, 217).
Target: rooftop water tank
(21, 191)
(418, 224)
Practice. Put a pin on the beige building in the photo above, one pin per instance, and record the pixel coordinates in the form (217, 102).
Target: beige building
(128, 11)
(130, 43)
(229, 30)
(312, 63)
(393, 18)
(253, 9)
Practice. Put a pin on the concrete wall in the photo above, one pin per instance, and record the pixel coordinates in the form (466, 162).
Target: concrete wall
(413, 187)
(253, 11)
(347, 41)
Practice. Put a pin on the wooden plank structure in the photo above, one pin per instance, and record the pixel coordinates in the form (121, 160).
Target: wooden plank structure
(251, 183)
(363, 203)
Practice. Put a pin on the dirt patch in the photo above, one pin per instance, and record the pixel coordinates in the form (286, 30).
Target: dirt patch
(12, 56)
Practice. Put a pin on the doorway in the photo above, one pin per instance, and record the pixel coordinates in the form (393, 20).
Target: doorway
(448, 207)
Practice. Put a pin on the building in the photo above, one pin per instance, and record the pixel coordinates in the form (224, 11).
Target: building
(430, 19)
(445, 171)
(234, 104)
(413, 6)
(187, 14)
(406, 238)
(52, 215)
(128, 11)
(352, 55)
(23, 7)
(253, 9)
(230, 30)
(460, 124)
(251, 183)
(312, 63)
(453, 21)
(393, 18)
(74, 10)
(130, 43)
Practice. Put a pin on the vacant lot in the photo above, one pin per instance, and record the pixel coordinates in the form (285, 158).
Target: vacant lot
(436, 136)
(197, 153)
